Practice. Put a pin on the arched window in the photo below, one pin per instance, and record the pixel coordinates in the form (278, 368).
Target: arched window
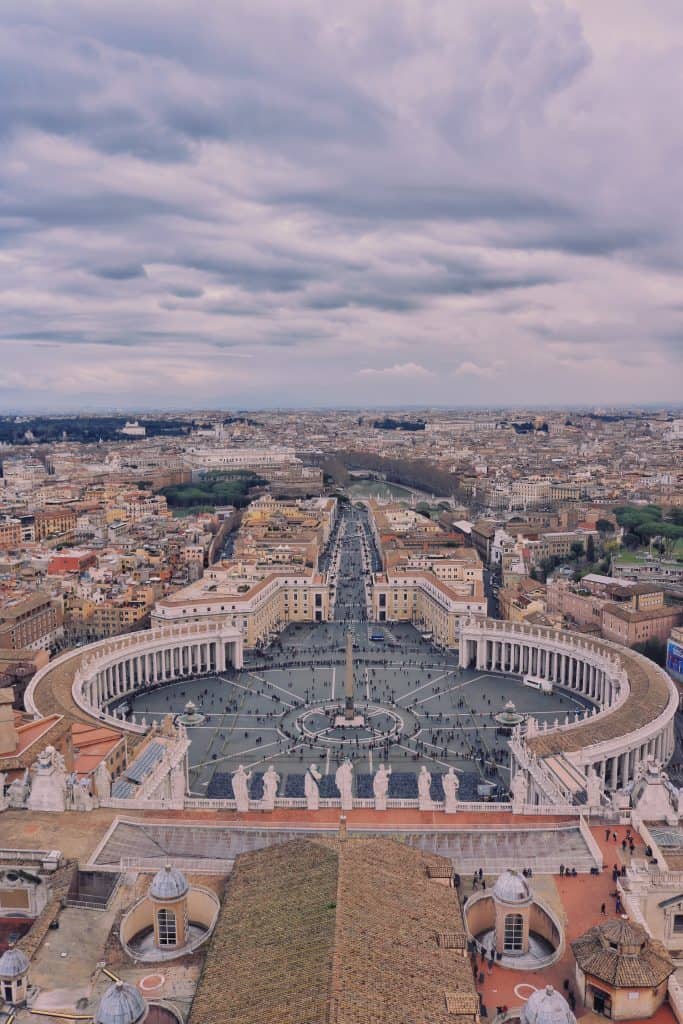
(514, 933)
(167, 927)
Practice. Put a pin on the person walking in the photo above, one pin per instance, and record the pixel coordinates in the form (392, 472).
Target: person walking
(603, 909)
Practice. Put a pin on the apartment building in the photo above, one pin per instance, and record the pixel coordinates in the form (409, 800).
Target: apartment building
(54, 522)
(430, 578)
(425, 600)
(625, 626)
(10, 534)
(237, 458)
(625, 612)
(30, 622)
(657, 570)
(259, 601)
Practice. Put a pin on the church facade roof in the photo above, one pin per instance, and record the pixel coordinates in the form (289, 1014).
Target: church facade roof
(327, 931)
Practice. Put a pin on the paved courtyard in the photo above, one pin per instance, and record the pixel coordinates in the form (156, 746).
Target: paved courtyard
(419, 707)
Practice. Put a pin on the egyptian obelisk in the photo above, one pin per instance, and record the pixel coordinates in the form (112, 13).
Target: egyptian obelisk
(349, 710)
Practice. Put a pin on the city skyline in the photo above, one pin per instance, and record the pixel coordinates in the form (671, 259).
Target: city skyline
(391, 206)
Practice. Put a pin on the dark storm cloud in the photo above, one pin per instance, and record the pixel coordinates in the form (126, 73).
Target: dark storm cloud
(103, 208)
(383, 302)
(68, 85)
(430, 202)
(251, 276)
(587, 239)
(404, 294)
(122, 273)
(66, 337)
(186, 292)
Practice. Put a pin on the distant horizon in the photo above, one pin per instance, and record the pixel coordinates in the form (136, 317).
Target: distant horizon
(403, 408)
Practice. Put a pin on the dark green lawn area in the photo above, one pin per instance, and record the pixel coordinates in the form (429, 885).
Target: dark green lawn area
(213, 489)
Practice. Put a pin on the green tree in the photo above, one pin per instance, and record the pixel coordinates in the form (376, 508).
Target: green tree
(590, 549)
(577, 550)
(605, 526)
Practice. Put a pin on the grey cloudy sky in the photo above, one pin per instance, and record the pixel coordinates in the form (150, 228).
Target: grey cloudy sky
(382, 201)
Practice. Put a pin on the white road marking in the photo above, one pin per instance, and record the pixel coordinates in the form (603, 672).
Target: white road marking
(238, 753)
(430, 682)
(267, 682)
(458, 686)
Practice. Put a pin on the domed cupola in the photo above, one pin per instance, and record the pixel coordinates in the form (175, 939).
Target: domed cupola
(512, 899)
(168, 884)
(121, 1004)
(546, 1006)
(511, 887)
(169, 895)
(621, 971)
(14, 965)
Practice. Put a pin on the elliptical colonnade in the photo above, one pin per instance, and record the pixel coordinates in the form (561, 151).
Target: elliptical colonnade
(601, 671)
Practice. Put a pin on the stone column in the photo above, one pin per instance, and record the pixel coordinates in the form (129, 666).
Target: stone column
(613, 774)
(624, 769)
(220, 655)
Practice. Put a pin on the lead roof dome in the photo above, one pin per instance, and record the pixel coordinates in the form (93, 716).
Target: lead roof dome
(168, 884)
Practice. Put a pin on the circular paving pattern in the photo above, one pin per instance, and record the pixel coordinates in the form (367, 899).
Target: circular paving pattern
(524, 990)
(151, 982)
(375, 725)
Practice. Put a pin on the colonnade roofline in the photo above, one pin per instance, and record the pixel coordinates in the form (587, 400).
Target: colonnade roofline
(80, 683)
(638, 700)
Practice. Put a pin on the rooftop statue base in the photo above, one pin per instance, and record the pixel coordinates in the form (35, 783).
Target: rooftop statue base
(342, 722)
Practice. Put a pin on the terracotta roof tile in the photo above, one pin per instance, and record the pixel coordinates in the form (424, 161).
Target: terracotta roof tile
(329, 931)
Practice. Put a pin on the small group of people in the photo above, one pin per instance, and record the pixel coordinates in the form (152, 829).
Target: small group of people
(618, 872)
(567, 872)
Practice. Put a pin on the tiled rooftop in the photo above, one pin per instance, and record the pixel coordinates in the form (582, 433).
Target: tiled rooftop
(335, 932)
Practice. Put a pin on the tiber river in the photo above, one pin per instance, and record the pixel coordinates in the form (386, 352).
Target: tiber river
(382, 489)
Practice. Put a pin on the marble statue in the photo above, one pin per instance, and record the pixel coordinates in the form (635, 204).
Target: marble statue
(594, 788)
(18, 791)
(451, 785)
(344, 779)
(49, 785)
(81, 800)
(380, 787)
(271, 781)
(240, 787)
(424, 783)
(178, 782)
(620, 801)
(102, 782)
(311, 780)
(519, 785)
